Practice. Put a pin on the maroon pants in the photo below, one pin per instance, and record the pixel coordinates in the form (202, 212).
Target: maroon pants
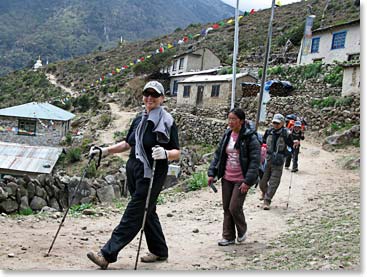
(234, 217)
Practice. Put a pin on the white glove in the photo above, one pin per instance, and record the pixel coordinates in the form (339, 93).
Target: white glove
(159, 153)
(94, 151)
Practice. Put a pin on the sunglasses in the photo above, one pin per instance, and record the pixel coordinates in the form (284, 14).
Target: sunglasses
(276, 123)
(153, 94)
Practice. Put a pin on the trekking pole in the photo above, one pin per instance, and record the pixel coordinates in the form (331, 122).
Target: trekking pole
(289, 191)
(145, 214)
(74, 193)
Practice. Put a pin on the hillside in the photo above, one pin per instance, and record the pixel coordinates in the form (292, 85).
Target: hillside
(81, 72)
(64, 29)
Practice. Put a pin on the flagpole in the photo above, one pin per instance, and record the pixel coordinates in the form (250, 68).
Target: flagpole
(266, 59)
(235, 50)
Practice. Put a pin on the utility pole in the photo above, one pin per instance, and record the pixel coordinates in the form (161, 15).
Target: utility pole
(235, 50)
(263, 77)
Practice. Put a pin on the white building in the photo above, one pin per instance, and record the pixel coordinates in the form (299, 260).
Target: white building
(38, 64)
(340, 42)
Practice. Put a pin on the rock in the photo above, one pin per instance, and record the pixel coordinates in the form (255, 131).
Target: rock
(196, 230)
(11, 255)
(106, 193)
(8, 206)
(37, 203)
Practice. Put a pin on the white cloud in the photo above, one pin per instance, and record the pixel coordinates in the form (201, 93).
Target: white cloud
(245, 5)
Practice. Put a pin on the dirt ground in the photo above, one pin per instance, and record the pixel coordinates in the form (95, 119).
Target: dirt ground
(192, 224)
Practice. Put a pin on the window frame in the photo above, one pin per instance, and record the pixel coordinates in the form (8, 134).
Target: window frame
(181, 64)
(215, 90)
(30, 127)
(336, 44)
(313, 44)
(186, 91)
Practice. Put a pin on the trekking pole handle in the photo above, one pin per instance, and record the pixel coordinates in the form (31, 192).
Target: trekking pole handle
(99, 156)
(211, 185)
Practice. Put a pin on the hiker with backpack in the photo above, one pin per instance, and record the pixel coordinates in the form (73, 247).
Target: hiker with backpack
(277, 138)
(297, 135)
(236, 161)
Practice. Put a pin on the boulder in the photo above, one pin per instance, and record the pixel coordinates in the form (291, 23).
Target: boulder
(37, 203)
(8, 206)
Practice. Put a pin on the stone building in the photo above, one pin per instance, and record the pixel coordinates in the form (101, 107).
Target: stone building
(34, 124)
(191, 62)
(210, 90)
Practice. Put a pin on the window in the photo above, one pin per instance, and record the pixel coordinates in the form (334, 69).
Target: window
(186, 92)
(353, 57)
(315, 45)
(174, 67)
(215, 90)
(175, 86)
(27, 127)
(181, 65)
(338, 40)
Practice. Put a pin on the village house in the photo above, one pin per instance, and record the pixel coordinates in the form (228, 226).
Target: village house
(210, 90)
(40, 124)
(192, 62)
(334, 43)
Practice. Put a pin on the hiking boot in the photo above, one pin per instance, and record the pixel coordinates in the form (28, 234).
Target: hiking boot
(286, 167)
(226, 242)
(262, 195)
(98, 259)
(294, 170)
(241, 239)
(151, 258)
(266, 205)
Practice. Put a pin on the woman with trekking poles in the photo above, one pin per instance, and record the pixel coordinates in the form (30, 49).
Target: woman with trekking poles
(153, 141)
(236, 161)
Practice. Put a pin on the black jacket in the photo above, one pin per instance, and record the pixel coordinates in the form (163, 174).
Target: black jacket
(249, 147)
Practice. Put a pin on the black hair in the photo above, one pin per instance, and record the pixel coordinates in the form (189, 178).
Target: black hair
(238, 112)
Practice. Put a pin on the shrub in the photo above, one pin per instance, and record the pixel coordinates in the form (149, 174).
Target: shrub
(197, 181)
(69, 138)
(335, 77)
(312, 70)
(73, 155)
(27, 211)
(325, 102)
(75, 209)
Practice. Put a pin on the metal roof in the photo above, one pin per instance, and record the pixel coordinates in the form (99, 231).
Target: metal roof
(190, 73)
(37, 110)
(26, 158)
(212, 78)
(323, 29)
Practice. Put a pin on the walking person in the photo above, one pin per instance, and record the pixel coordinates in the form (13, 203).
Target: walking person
(277, 138)
(236, 161)
(154, 126)
(297, 135)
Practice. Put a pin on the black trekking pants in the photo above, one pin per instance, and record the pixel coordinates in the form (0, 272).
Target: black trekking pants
(293, 158)
(132, 219)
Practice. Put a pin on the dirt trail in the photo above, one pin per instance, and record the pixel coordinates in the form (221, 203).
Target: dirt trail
(53, 81)
(192, 224)
(120, 122)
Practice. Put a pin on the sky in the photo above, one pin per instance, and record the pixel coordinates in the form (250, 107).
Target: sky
(247, 5)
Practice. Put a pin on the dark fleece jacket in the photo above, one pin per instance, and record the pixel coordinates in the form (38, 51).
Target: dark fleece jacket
(249, 147)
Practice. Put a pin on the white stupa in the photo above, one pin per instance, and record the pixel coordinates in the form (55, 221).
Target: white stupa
(38, 64)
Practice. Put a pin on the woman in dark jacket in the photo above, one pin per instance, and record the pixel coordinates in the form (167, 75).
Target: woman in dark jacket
(236, 161)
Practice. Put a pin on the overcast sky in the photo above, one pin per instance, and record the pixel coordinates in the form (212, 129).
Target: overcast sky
(246, 5)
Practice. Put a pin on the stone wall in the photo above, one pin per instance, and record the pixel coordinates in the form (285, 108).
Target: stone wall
(17, 194)
(50, 136)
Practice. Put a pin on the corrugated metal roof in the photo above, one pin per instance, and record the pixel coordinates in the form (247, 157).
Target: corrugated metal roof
(212, 78)
(26, 158)
(37, 110)
(323, 29)
(190, 73)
